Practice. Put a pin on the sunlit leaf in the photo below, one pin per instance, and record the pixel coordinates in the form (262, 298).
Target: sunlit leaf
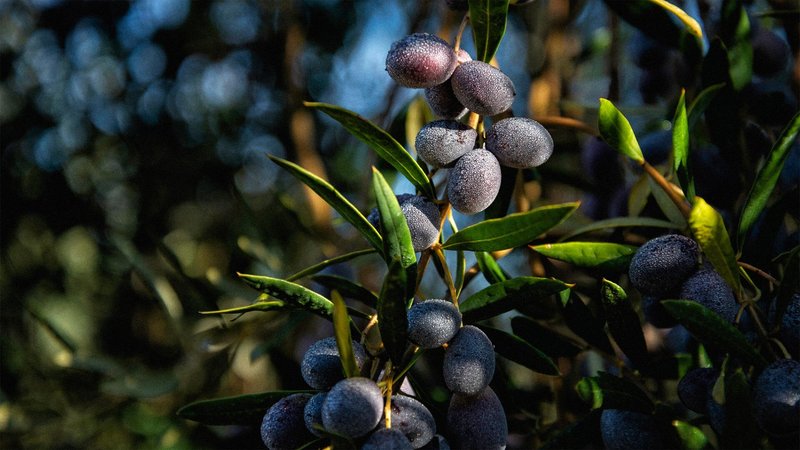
(511, 231)
(691, 24)
(734, 29)
(691, 437)
(341, 331)
(660, 24)
(600, 255)
(710, 329)
(710, 233)
(397, 238)
(767, 178)
(680, 148)
(501, 297)
(335, 199)
(488, 21)
(617, 132)
(291, 293)
(381, 142)
(239, 410)
(623, 322)
(609, 392)
(515, 349)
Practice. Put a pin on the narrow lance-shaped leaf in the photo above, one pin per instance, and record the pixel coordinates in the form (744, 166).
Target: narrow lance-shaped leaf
(548, 341)
(734, 29)
(680, 148)
(397, 238)
(691, 24)
(381, 142)
(711, 329)
(618, 222)
(709, 231)
(600, 255)
(515, 349)
(767, 178)
(666, 204)
(239, 410)
(330, 262)
(341, 331)
(332, 197)
(392, 310)
(701, 102)
(610, 392)
(623, 322)
(488, 21)
(581, 321)
(577, 435)
(739, 430)
(511, 231)
(617, 131)
(507, 295)
(260, 305)
(348, 288)
(691, 437)
(291, 293)
(489, 267)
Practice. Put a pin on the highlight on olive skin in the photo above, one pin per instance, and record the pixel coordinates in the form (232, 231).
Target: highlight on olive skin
(441, 142)
(623, 430)
(662, 264)
(519, 142)
(433, 322)
(283, 425)
(413, 420)
(387, 439)
(469, 361)
(321, 366)
(421, 60)
(482, 88)
(477, 422)
(708, 288)
(353, 407)
(776, 398)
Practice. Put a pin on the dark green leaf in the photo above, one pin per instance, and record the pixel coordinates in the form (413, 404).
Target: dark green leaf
(392, 310)
(623, 323)
(666, 204)
(690, 24)
(489, 267)
(508, 181)
(578, 435)
(659, 24)
(709, 231)
(734, 29)
(767, 178)
(330, 262)
(333, 198)
(348, 288)
(701, 102)
(515, 349)
(617, 132)
(341, 331)
(291, 293)
(511, 231)
(609, 392)
(260, 305)
(239, 410)
(690, 437)
(739, 430)
(550, 342)
(790, 283)
(600, 255)
(382, 142)
(397, 238)
(618, 222)
(501, 297)
(680, 148)
(581, 321)
(712, 330)
(488, 21)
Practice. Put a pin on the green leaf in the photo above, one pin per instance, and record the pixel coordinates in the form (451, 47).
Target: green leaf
(261, 305)
(577, 435)
(617, 132)
(488, 21)
(600, 255)
(548, 341)
(330, 262)
(690, 437)
(701, 102)
(239, 410)
(515, 349)
(710, 329)
(767, 178)
(341, 331)
(609, 392)
(508, 181)
(688, 21)
(581, 321)
(619, 222)
(382, 142)
(665, 204)
(348, 288)
(501, 297)
(397, 237)
(790, 283)
(623, 322)
(680, 148)
(511, 231)
(396, 292)
(489, 267)
(709, 231)
(291, 293)
(734, 29)
(739, 430)
(333, 198)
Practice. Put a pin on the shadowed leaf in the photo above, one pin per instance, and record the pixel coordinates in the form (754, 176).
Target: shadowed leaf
(505, 296)
(488, 21)
(239, 410)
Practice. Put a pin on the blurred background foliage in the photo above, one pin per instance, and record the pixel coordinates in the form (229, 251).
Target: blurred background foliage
(135, 183)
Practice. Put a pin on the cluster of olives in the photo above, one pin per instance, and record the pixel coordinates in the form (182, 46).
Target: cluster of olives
(353, 408)
(667, 267)
(455, 84)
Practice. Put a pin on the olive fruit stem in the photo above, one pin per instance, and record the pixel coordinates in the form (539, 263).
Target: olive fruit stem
(757, 271)
(567, 122)
(448, 279)
(668, 188)
(387, 408)
(460, 33)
